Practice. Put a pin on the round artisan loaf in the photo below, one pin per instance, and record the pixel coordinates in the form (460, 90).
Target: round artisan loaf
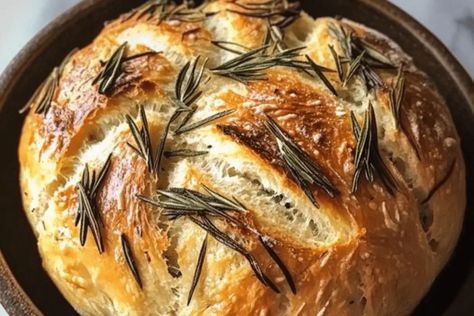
(194, 161)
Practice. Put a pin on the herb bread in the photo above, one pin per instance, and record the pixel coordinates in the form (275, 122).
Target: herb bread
(241, 159)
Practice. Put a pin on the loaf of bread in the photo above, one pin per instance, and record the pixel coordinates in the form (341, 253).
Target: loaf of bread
(241, 158)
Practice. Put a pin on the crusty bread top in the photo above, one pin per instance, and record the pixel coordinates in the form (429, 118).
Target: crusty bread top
(372, 251)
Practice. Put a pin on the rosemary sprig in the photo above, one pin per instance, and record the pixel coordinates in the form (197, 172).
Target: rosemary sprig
(89, 219)
(274, 37)
(187, 117)
(354, 66)
(140, 55)
(367, 158)
(192, 126)
(184, 202)
(245, 67)
(114, 68)
(42, 90)
(127, 252)
(187, 84)
(162, 143)
(199, 208)
(396, 96)
(301, 167)
(342, 37)
(142, 139)
(232, 47)
(279, 14)
(187, 92)
(375, 58)
(251, 65)
(438, 185)
(337, 60)
(208, 226)
(184, 153)
(230, 203)
(280, 10)
(87, 214)
(359, 57)
(321, 75)
(111, 70)
(198, 270)
(51, 85)
(48, 88)
(269, 248)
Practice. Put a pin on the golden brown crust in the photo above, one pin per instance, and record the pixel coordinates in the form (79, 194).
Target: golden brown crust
(369, 252)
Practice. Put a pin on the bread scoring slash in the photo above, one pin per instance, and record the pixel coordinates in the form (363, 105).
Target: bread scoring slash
(241, 158)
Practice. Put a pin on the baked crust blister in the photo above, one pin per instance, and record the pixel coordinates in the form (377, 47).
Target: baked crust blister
(329, 244)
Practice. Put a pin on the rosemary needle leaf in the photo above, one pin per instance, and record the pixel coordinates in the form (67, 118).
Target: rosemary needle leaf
(195, 125)
(111, 70)
(321, 75)
(374, 56)
(142, 139)
(251, 65)
(362, 153)
(198, 270)
(78, 217)
(127, 251)
(35, 95)
(342, 37)
(438, 185)
(184, 153)
(279, 262)
(97, 182)
(180, 81)
(90, 185)
(187, 83)
(367, 159)
(353, 67)
(268, 10)
(225, 201)
(337, 61)
(140, 55)
(360, 56)
(162, 143)
(232, 47)
(141, 148)
(51, 84)
(48, 93)
(245, 67)
(149, 200)
(83, 228)
(91, 218)
(301, 167)
(188, 116)
(396, 96)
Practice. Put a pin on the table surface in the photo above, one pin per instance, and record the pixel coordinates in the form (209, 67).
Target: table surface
(452, 21)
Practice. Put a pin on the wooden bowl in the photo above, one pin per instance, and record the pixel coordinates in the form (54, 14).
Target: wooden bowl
(25, 289)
